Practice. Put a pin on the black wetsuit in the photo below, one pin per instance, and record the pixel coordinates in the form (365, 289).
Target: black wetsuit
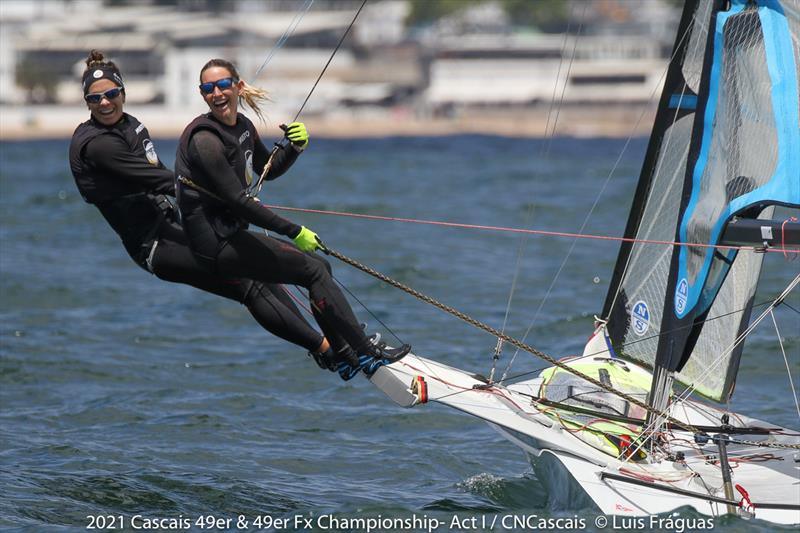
(116, 169)
(221, 160)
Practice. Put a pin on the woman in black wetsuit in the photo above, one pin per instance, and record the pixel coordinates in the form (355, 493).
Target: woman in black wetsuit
(116, 168)
(219, 155)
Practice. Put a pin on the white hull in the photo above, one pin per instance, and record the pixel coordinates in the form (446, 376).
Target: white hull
(558, 451)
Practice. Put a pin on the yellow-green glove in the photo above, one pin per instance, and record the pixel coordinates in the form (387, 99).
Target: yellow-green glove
(296, 132)
(307, 240)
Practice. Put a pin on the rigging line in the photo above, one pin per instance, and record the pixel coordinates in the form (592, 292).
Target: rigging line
(786, 361)
(569, 253)
(343, 286)
(689, 391)
(543, 155)
(790, 307)
(601, 192)
(286, 34)
(255, 188)
(644, 339)
(363, 3)
(362, 304)
(493, 331)
(544, 233)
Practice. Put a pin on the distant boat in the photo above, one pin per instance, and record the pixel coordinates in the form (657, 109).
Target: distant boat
(724, 150)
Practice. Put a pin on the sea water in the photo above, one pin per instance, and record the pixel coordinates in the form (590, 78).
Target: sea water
(127, 403)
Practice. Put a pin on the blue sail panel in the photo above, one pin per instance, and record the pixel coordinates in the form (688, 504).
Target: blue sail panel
(721, 186)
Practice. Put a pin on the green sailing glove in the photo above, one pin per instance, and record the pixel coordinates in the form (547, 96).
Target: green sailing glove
(307, 240)
(297, 133)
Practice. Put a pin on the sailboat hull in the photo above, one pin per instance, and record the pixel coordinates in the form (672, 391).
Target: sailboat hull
(577, 473)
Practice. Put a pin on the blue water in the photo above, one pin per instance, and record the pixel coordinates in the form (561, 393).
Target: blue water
(121, 395)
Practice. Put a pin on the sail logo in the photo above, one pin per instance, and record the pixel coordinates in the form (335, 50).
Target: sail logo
(681, 297)
(640, 318)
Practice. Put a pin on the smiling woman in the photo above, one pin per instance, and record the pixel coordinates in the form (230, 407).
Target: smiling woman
(103, 90)
(116, 168)
(217, 155)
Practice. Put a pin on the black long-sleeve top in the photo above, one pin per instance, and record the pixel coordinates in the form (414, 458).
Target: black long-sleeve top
(211, 168)
(117, 169)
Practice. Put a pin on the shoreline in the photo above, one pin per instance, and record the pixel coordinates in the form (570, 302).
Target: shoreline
(19, 123)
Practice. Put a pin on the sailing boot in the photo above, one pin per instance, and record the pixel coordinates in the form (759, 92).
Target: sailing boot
(381, 354)
(325, 360)
(349, 364)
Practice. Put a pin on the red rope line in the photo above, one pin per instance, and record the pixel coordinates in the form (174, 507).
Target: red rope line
(517, 230)
(297, 300)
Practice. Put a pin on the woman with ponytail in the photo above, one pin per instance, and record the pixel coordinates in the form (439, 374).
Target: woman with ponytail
(219, 155)
(116, 168)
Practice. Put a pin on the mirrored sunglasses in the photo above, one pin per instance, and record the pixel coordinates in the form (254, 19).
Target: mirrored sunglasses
(224, 83)
(96, 98)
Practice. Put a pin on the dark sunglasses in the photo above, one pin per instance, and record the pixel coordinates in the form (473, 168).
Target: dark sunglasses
(96, 98)
(224, 83)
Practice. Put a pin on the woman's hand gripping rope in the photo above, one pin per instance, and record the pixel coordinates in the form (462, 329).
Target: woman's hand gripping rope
(308, 241)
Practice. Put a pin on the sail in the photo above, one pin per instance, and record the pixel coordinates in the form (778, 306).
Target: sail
(638, 287)
(737, 151)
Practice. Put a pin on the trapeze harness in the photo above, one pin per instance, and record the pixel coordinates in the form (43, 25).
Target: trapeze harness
(207, 220)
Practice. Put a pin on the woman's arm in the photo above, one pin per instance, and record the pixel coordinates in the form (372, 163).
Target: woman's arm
(110, 154)
(207, 160)
(285, 156)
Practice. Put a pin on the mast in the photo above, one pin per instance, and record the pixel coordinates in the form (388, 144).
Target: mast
(744, 155)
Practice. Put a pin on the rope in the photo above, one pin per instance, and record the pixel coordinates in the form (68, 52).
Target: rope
(544, 233)
(523, 346)
(286, 34)
(786, 361)
(256, 187)
(544, 155)
(496, 333)
(330, 58)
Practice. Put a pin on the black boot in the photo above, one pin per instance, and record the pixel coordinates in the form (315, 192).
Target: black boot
(325, 360)
(349, 364)
(380, 351)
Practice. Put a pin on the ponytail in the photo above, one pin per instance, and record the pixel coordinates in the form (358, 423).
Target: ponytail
(252, 96)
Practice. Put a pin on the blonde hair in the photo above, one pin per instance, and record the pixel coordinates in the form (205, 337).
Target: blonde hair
(250, 95)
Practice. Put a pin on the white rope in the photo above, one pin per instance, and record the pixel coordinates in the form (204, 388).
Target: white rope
(543, 156)
(786, 361)
(602, 191)
(286, 34)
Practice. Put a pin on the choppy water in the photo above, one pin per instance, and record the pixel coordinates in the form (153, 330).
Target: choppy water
(121, 395)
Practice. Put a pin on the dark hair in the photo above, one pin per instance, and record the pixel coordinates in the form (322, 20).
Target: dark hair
(98, 68)
(97, 59)
(251, 95)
